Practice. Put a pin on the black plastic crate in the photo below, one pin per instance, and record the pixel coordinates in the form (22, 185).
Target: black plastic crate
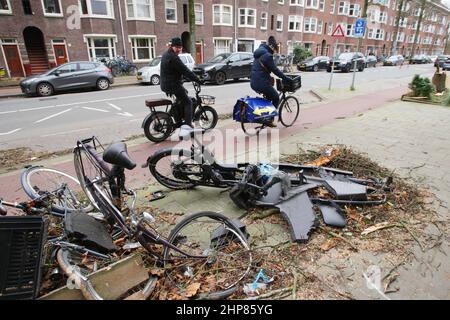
(22, 242)
(290, 87)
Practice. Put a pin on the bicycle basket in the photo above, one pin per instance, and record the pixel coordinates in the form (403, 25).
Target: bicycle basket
(291, 86)
(207, 100)
(22, 242)
(255, 110)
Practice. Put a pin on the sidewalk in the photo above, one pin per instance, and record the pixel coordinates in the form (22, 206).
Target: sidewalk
(11, 88)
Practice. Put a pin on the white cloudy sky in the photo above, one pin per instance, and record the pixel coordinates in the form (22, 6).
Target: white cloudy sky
(446, 2)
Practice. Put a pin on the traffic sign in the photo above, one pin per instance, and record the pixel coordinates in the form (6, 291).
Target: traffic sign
(360, 27)
(338, 32)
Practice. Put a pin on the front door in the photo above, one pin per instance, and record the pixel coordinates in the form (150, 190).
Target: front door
(13, 59)
(60, 53)
(199, 53)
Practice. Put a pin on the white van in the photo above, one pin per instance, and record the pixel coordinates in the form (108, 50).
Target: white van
(150, 74)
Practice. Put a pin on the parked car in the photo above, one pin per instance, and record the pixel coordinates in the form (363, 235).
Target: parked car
(314, 63)
(68, 76)
(151, 73)
(395, 60)
(346, 61)
(371, 61)
(226, 66)
(440, 60)
(418, 59)
(446, 63)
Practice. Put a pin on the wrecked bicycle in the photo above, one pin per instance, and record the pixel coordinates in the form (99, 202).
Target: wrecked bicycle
(204, 248)
(255, 113)
(159, 125)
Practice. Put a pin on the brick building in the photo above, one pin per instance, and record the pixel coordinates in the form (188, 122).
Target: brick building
(38, 34)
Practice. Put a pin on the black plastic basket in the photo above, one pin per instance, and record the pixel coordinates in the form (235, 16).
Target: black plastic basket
(292, 86)
(22, 242)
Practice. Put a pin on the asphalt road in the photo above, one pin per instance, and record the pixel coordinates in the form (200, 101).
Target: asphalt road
(55, 123)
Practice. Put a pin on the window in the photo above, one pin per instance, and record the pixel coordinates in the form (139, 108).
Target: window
(27, 7)
(264, 20)
(222, 46)
(71, 67)
(310, 25)
(198, 8)
(332, 5)
(322, 5)
(140, 10)
(353, 10)
(312, 4)
(279, 22)
(320, 27)
(222, 14)
(343, 8)
(330, 28)
(101, 47)
(295, 23)
(245, 46)
(349, 30)
(296, 3)
(97, 8)
(83, 66)
(143, 49)
(5, 7)
(247, 17)
(171, 11)
(280, 1)
(52, 7)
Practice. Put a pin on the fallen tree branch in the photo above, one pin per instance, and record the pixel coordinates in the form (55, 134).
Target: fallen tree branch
(403, 225)
(331, 233)
(270, 293)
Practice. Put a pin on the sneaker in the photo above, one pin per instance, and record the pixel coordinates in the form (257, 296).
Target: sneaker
(272, 124)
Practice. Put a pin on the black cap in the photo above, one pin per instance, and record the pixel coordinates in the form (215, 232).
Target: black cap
(272, 42)
(176, 42)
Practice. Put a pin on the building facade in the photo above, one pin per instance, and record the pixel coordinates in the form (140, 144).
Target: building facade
(39, 34)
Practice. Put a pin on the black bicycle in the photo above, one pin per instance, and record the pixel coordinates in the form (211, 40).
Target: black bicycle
(159, 125)
(204, 249)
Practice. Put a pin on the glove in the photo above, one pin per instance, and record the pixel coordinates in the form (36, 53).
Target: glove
(198, 80)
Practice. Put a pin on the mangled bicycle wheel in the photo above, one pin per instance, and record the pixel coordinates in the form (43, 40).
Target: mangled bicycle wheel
(211, 259)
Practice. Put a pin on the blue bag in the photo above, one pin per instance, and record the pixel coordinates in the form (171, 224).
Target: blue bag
(256, 110)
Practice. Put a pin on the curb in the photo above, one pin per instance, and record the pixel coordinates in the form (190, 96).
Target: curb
(318, 95)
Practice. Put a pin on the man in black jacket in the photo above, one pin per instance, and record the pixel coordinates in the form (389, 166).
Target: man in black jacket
(263, 66)
(172, 72)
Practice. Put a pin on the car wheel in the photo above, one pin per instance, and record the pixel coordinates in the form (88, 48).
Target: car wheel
(102, 84)
(235, 79)
(155, 80)
(316, 68)
(361, 68)
(220, 77)
(44, 89)
(328, 69)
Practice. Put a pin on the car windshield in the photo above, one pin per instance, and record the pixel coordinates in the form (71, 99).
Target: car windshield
(154, 62)
(346, 56)
(392, 58)
(219, 58)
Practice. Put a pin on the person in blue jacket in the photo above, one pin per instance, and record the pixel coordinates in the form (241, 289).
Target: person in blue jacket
(263, 66)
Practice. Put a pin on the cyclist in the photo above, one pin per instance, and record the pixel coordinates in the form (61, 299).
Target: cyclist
(172, 72)
(263, 66)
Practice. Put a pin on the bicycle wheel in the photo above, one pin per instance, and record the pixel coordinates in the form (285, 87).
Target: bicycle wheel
(289, 111)
(38, 180)
(251, 128)
(207, 117)
(158, 127)
(78, 266)
(87, 169)
(175, 168)
(214, 258)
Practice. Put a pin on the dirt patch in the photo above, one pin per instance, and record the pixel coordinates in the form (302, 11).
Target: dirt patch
(12, 159)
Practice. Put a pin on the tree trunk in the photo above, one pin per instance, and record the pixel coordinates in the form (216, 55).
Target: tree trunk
(192, 29)
(419, 22)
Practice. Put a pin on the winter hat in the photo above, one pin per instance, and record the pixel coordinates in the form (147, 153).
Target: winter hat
(272, 42)
(176, 42)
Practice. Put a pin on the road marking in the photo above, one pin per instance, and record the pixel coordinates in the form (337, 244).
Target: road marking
(64, 132)
(125, 114)
(115, 107)
(95, 109)
(9, 132)
(53, 115)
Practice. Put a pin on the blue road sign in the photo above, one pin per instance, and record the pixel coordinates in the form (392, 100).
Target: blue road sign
(360, 26)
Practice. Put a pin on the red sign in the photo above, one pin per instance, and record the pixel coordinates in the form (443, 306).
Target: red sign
(338, 32)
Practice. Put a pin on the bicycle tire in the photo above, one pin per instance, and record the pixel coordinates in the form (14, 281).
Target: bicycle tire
(34, 180)
(207, 122)
(222, 256)
(87, 169)
(70, 262)
(289, 108)
(178, 181)
(164, 125)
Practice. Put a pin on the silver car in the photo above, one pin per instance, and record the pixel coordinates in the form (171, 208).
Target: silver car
(69, 76)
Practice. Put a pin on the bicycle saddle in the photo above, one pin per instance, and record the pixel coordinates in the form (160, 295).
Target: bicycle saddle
(187, 131)
(116, 154)
(157, 102)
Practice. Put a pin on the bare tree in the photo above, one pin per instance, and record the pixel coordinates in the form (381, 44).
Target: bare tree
(192, 29)
(401, 14)
(364, 16)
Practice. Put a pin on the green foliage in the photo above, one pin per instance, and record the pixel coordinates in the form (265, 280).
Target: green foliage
(301, 53)
(446, 98)
(421, 87)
